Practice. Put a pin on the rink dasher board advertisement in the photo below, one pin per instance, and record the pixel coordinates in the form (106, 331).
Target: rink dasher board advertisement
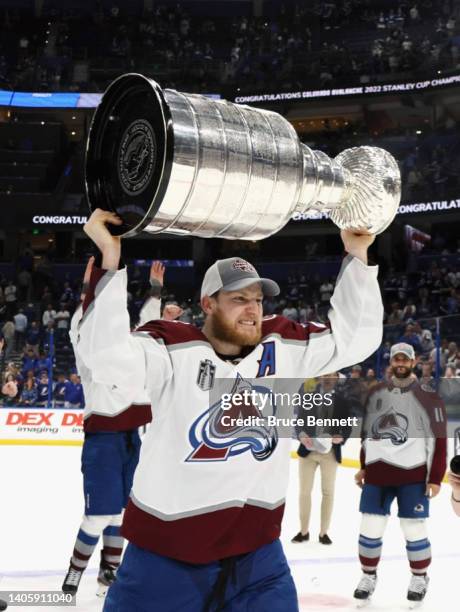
(63, 426)
(47, 426)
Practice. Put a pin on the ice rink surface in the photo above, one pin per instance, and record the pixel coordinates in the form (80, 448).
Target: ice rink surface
(42, 505)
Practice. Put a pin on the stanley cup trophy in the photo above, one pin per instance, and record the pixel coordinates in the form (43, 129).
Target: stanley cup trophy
(166, 161)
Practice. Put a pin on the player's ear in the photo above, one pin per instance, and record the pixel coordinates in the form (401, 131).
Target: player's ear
(207, 304)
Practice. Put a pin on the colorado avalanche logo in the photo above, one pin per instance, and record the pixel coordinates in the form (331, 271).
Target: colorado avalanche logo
(212, 440)
(391, 425)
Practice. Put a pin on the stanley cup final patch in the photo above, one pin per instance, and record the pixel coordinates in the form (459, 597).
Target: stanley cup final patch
(206, 375)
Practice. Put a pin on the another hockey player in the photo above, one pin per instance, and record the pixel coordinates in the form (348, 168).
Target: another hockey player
(204, 515)
(109, 457)
(403, 456)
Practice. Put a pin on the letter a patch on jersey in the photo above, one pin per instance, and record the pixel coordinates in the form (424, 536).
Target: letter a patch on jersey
(267, 363)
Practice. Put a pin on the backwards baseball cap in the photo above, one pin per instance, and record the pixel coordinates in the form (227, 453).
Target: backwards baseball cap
(232, 274)
(404, 349)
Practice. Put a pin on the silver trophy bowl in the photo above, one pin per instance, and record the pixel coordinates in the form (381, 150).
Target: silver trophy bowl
(185, 164)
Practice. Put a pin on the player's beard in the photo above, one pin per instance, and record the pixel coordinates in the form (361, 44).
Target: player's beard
(226, 332)
(401, 372)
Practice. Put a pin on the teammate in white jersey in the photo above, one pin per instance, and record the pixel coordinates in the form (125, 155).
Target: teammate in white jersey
(403, 456)
(109, 456)
(204, 516)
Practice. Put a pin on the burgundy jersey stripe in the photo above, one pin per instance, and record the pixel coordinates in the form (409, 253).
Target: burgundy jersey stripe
(204, 538)
(131, 418)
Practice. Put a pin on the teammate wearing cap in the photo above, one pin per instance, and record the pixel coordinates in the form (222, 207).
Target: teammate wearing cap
(204, 517)
(403, 456)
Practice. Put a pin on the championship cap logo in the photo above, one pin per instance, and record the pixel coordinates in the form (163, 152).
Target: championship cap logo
(243, 265)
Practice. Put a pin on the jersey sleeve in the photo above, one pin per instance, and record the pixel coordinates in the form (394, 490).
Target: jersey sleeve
(150, 311)
(129, 363)
(355, 323)
(436, 439)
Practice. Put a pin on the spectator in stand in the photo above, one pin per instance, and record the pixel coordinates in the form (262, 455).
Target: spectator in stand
(414, 14)
(20, 327)
(8, 335)
(29, 361)
(10, 390)
(43, 389)
(410, 337)
(396, 314)
(24, 285)
(10, 298)
(62, 322)
(12, 369)
(426, 379)
(59, 391)
(48, 315)
(452, 354)
(29, 393)
(67, 296)
(426, 342)
(30, 312)
(409, 311)
(326, 290)
(291, 312)
(370, 380)
(43, 363)
(33, 337)
(452, 302)
(73, 396)
(46, 298)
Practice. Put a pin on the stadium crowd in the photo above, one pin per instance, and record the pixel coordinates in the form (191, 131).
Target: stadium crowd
(188, 47)
(35, 317)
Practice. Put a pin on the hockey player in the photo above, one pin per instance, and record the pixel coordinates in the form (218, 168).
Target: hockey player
(403, 456)
(109, 457)
(204, 515)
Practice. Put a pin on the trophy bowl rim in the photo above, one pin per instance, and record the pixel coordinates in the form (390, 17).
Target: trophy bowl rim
(95, 135)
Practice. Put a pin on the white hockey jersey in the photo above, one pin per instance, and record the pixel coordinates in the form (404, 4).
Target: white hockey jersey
(404, 436)
(105, 410)
(200, 493)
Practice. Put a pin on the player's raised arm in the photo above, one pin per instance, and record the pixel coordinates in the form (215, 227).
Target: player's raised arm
(355, 323)
(151, 309)
(105, 343)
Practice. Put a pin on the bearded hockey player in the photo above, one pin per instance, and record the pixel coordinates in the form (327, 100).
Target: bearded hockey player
(204, 516)
(403, 456)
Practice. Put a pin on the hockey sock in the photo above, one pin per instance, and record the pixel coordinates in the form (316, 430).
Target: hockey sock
(88, 536)
(370, 541)
(417, 544)
(370, 550)
(113, 542)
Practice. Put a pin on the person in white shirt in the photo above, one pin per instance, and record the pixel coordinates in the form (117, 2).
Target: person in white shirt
(62, 321)
(10, 297)
(48, 315)
(20, 326)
